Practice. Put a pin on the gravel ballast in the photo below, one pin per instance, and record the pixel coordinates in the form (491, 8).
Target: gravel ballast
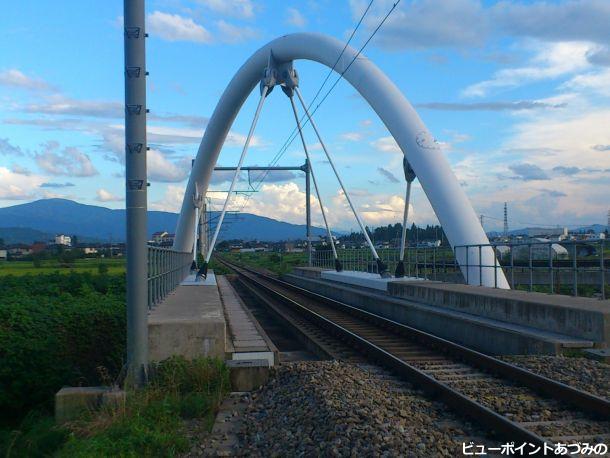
(339, 409)
(582, 373)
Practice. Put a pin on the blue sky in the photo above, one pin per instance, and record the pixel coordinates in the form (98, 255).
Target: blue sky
(516, 92)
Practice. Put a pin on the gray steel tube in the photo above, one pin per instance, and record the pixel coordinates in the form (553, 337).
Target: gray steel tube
(136, 183)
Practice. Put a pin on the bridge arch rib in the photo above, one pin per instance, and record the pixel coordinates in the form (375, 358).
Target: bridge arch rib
(447, 198)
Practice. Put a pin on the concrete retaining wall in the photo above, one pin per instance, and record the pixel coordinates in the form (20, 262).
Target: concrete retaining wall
(573, 316)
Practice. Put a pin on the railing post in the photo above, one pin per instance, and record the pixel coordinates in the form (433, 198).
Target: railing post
(551, 278)
(136, 184)
(575, 267)
(480, 265)
(512, 268)
(531, 266)
(602, 269)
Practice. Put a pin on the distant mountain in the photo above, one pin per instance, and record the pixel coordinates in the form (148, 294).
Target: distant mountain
(47, 217)
(11, 235)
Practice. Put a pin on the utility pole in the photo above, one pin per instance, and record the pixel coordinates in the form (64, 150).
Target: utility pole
(136, 183)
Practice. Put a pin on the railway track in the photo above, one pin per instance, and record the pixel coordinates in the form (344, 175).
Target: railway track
(513, 403)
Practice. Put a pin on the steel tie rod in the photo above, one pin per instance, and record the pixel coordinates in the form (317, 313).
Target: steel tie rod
(409, 176)
(383, 271)
(289, 93)
(204, 268)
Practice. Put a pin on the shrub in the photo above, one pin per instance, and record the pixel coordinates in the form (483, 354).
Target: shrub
(57, 330)
(102, 269)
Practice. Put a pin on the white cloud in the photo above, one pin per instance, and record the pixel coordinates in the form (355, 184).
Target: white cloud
(16, 78)
(8, 149)
(352, 136)
(229, 33)
(171, 200)
(550, 61)
(59, 104)
(163, 170)
(386, 145)
(102, 195)
(243, 9)
(466, 23)
(173, 27)
(69, 162)
(295, 18)
(15, 186)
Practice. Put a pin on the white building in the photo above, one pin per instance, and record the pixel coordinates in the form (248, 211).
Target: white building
(62, 239)
(3, 255)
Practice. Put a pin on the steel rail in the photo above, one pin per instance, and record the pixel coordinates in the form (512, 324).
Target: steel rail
(586, 402)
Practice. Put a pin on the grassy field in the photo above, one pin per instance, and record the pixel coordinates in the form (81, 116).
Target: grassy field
(276, 262)
(90, 265)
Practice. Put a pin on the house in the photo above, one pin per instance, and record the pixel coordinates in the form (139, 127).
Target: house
(64, 240)
(3, 255)
(38, 247)
(19, 250)
(157, 237)
(89, 250)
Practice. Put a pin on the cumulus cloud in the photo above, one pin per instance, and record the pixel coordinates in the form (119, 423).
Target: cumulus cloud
(550, 61)
(17, 79)
(601, 147)
(163, 170)
(173, 27)
(20, 170)
(15, 186)
(566, 170)
(243, 9)
(295, 18)
(102, 195)
(69, 162)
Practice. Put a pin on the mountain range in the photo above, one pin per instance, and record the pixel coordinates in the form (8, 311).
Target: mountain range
(42, 219)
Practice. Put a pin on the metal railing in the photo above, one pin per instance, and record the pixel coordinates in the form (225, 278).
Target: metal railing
(573, 267)
(166, 269)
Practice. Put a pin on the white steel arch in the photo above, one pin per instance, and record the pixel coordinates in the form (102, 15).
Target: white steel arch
(447, 198)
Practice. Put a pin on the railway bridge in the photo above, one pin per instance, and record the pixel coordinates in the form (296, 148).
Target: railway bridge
(447, 339)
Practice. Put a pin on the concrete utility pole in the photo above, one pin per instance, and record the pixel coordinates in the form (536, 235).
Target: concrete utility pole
(136, 183)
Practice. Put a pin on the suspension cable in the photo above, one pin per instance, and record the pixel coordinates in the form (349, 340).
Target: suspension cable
(293, 134)
(382, 268)
(264, 91)
(338, 266)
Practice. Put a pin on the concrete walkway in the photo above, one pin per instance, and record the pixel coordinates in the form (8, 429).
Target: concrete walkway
(246, 340)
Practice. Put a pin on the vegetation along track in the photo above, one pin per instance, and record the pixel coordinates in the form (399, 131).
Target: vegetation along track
(514, 403)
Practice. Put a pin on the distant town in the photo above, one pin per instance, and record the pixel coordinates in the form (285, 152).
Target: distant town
(68, 247)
